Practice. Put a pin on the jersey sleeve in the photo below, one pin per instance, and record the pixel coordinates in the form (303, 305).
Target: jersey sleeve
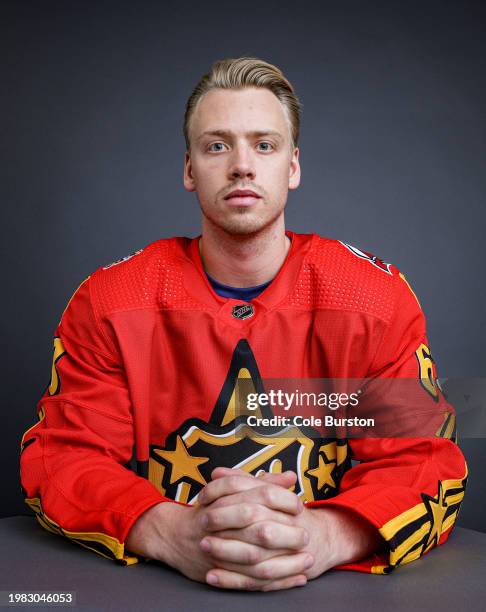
(73, 459)
(409, 488)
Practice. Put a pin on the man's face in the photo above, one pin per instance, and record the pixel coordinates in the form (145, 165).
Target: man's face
(240, 140)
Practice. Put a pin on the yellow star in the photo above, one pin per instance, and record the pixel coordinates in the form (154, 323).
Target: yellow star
(183, 464)
(436, 509)
(323, 473)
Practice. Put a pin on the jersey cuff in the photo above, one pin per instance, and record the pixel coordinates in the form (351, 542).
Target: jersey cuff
(410, 529)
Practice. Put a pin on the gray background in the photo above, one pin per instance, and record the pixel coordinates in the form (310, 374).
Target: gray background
(393, 153)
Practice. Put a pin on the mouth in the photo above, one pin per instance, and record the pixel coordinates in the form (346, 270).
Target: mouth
(242, 197)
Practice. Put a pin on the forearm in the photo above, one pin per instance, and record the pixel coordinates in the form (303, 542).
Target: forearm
(171, 532)
(152, 534)
(343, 537)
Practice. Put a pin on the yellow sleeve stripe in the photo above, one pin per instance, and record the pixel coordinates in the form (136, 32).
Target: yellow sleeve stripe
(447, 428)
(395, 524)
(455, 499)
(379, 569)
(83, 538)
(412, 556)
(46, 525)
(450, 427)
(410, 542)
(449, 522)
(41, 414)
(402, 276)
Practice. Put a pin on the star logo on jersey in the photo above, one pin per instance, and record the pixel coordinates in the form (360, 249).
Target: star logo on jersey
(436, 510)
(183, 466)
(325, 469)
(182, 463)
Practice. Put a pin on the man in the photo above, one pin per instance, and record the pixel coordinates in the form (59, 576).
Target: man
(149, 351)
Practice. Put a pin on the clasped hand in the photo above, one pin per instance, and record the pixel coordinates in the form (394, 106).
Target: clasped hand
(252, 533)
(255, 533)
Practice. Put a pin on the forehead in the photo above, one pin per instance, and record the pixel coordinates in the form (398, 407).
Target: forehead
(239, 110)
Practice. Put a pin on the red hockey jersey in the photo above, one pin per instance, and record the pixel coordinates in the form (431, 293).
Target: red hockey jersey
(141, 405)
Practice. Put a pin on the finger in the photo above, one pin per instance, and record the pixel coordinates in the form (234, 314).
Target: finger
(232, 483)
(286, 583)
(236, 551)
(274, 568)
(239, 489)
(225, 579)
(270, 496)
(221, 471)
(240, 516)
(269, 534)
(285, 479)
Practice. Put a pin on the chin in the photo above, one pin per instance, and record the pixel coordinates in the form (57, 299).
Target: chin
(243, 226)
(243, 223)
(241, 229)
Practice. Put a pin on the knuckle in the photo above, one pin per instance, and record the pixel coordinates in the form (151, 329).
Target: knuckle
(269, 496)
(306, 561)
(250, 584)
(266, 572)
(220, 503)
(266, 534)
(203, 520)
(248, 512)
(212, 519)
(234, 482)
(260, 513)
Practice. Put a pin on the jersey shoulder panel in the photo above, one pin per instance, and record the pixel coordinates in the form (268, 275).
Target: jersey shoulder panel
(150, 278)
(336, 275)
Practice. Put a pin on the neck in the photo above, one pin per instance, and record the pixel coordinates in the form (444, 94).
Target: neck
(243, 260)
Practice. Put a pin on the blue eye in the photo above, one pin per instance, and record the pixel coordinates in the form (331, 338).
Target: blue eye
(220, 146)
(267, 146)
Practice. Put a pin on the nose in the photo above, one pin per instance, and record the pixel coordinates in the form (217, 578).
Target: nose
(242, 164)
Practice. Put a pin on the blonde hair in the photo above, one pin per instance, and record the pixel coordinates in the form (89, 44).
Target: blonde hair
(246, 72)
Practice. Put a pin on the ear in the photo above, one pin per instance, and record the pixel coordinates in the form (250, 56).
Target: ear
(189, 183)
(294, 170)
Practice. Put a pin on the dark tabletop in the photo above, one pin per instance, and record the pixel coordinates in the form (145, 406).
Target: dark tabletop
(451, 577)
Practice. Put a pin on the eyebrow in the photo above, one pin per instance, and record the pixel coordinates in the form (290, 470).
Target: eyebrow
(229, 133)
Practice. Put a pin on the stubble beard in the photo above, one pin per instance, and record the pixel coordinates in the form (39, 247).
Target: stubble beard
(241, 221)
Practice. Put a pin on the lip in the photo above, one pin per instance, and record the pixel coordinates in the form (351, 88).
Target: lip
(241, 194)
(242, 197)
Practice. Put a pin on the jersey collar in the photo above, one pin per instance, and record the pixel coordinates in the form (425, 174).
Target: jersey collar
(198, 286)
